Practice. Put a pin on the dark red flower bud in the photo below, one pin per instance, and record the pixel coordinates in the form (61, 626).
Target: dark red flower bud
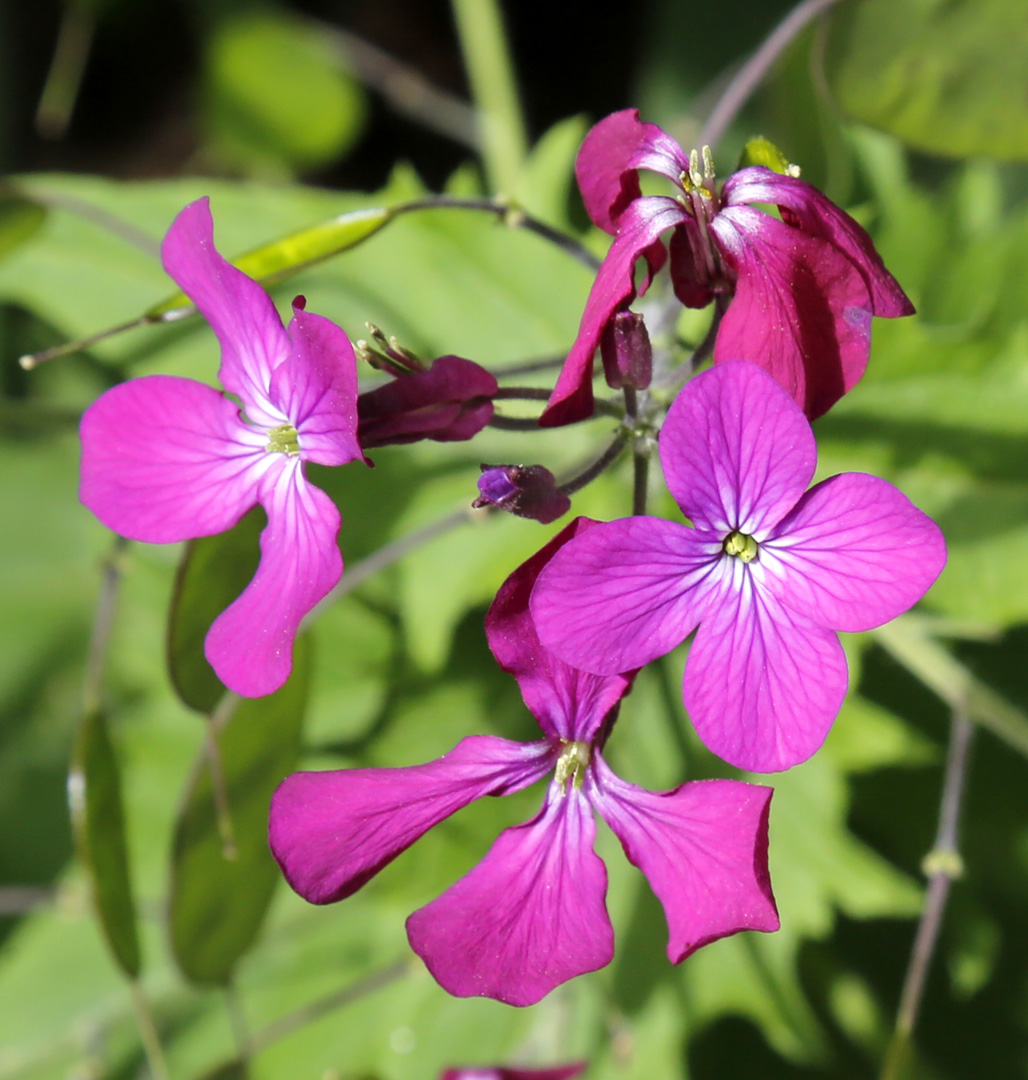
(528, 491)
(449, 402)
(626, 352)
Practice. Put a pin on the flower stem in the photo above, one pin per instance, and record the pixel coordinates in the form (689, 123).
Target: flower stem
(103, 623)
(64, 79)
(307, 1014)
(511, 215)
(148, 1033)
(219, 789)
(752, 73)
(491, 75)
(943, 865)
(599, 466)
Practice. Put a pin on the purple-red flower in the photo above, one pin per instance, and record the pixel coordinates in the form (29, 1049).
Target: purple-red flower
(528, 491)
(767, 573)
(532, 914)
(449, 402)
(167, 459)
(800, 292)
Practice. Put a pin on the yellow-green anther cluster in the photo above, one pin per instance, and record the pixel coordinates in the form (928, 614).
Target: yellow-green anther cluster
(572, 763)
(283, 440)
(741, 546)
(695, 181)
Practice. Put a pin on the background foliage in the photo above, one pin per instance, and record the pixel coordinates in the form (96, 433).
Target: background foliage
(911, 114)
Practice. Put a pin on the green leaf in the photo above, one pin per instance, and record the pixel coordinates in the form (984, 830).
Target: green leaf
(20, 218)
(278, 98)
(946, 76)
(292, 253)
(761, 151)
(98, 819)
(218, 904)
(213, 572)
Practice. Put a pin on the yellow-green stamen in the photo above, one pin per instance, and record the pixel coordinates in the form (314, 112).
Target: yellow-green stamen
(741, 546)
(572, 763)
(283, 440)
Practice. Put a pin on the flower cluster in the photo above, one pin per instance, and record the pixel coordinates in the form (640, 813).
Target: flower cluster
(765, 572)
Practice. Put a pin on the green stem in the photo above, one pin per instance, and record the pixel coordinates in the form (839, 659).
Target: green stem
(148, 1033)
(483, 44)
(943, 866)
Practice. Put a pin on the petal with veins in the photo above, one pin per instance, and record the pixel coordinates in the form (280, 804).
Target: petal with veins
(241, 314)
(528, 917)
(250, 645)
(625, 593)
(703, 849)
(762, 684)
(331, 832)
(854, 553)
(167, 459)
(568, 703)
(736, 451)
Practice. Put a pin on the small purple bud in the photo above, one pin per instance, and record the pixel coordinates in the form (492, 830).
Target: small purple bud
(626, 352)
(528, 491)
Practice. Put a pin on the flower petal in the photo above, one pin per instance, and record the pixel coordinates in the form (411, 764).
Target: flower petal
(241, 314)
(806, 208)
(801, 308)
(528, 917)
(762, 684)
(316, 387)
(639, 226)
(625, 593)
(703, 849)
(250, 645)
(611, 153)
(167, 459)
(568, 703)
(854, 554)
(736, 451)
(331, 832)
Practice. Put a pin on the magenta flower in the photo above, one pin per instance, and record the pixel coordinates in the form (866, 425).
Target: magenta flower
(167, 459)
(532, 914)
(800, 292)
(528, 491)
(767, 573)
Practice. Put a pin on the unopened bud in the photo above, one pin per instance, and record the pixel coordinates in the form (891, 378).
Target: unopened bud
(627, 355)
(528, 491)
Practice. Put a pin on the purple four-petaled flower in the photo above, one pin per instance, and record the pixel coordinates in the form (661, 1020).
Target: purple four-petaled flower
(167, 459)
(767, 573)
(800, 291)
(532, 914)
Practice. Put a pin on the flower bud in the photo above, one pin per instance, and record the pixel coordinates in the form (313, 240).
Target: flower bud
(626, 352)
(449, 402)
(528, 491)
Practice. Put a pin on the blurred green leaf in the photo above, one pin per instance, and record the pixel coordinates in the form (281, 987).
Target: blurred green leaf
(20, 218)
(946, 76)
(228, 1070)
(295, 252)
(98, 819)
(213, 572)
(277, 97)
(218, 904)
(761, 151)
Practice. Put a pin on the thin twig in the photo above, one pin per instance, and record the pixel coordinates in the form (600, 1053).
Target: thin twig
(599, 466)
(510, 215)
(237, 1019)
(405, 88)
(148, 1033)
(62, 200)
(752, 73)
(307, 1014)
(943, 865)
(219, 788)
